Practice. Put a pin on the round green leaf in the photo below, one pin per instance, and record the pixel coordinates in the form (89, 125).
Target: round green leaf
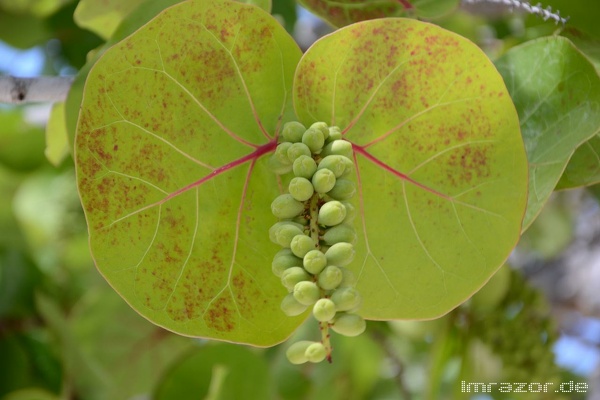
(557, 93)
(583, 168)
(172, 128)
(441, 168)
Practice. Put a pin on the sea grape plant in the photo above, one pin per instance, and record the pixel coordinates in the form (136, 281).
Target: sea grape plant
(179, 126)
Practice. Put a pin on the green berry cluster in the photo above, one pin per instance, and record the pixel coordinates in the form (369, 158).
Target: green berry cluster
(316, 233)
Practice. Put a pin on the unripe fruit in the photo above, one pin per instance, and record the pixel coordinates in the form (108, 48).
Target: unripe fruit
(330, 278)
(283, 232)
(285, 206)
(296, 150)
(349, 324)
(322, 126)
(316, 352)
(337, 164)
(305, 167)
(291, 307)
(323, 180)
(338, 147)
(340, 233)
(332, 213)
(344, 189)
(301, 244)
(324, 310)
(340, 254)
(283, 260)
(291, 276)
(346, 299)
(334, 133)
(293, 131)
(281, 153)
(350, 212)
(301, 189)
(278, 167)
(314, 139)
(296, 352)
(314, 261)
(306, 292)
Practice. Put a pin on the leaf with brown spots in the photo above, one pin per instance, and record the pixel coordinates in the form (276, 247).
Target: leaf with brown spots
(441, 166)
(171, 136)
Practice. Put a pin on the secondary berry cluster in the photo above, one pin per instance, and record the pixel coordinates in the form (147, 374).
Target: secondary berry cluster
(316, 233)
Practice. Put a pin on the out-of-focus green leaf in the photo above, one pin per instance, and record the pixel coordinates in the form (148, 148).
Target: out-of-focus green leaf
(31, 394)
(38, 8)
(23, 31)
(127, 354)
(57, 140)
(183, 237)
(590, 46)
(582, 14)
(21, 144)
(19, 280)
(552, 230)
(10, 234)
(286, 10)
(439, 157)
(219, 371)
(557, 94)
(48, 211)
(103, 17)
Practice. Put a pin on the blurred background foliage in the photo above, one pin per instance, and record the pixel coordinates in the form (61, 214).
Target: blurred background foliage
(64, 334)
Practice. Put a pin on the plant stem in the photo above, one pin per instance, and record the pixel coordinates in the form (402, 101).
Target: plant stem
(314, 235)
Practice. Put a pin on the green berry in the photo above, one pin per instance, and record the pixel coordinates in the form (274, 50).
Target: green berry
(283, 260)
(350, 212)
(346, 299)
(334, 133)
(291, 276)
(340, 233)
(278, 167)
(285, 206)
(323, 180)
(293, 131)
(322, 126)
(283, 232)
(301, 189)
(324, 310)
(291, 307)
(301, 244)
(314, 261)
(281, 153)
(304, 166)
(330, 278)
(332, 213)
(349, 324)
(296, 150)
(338, 147)
(296, 352)
(315, 353)
(337, 164)
(340, 254)
(306, 292)
(314, 139)
(344, 189)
